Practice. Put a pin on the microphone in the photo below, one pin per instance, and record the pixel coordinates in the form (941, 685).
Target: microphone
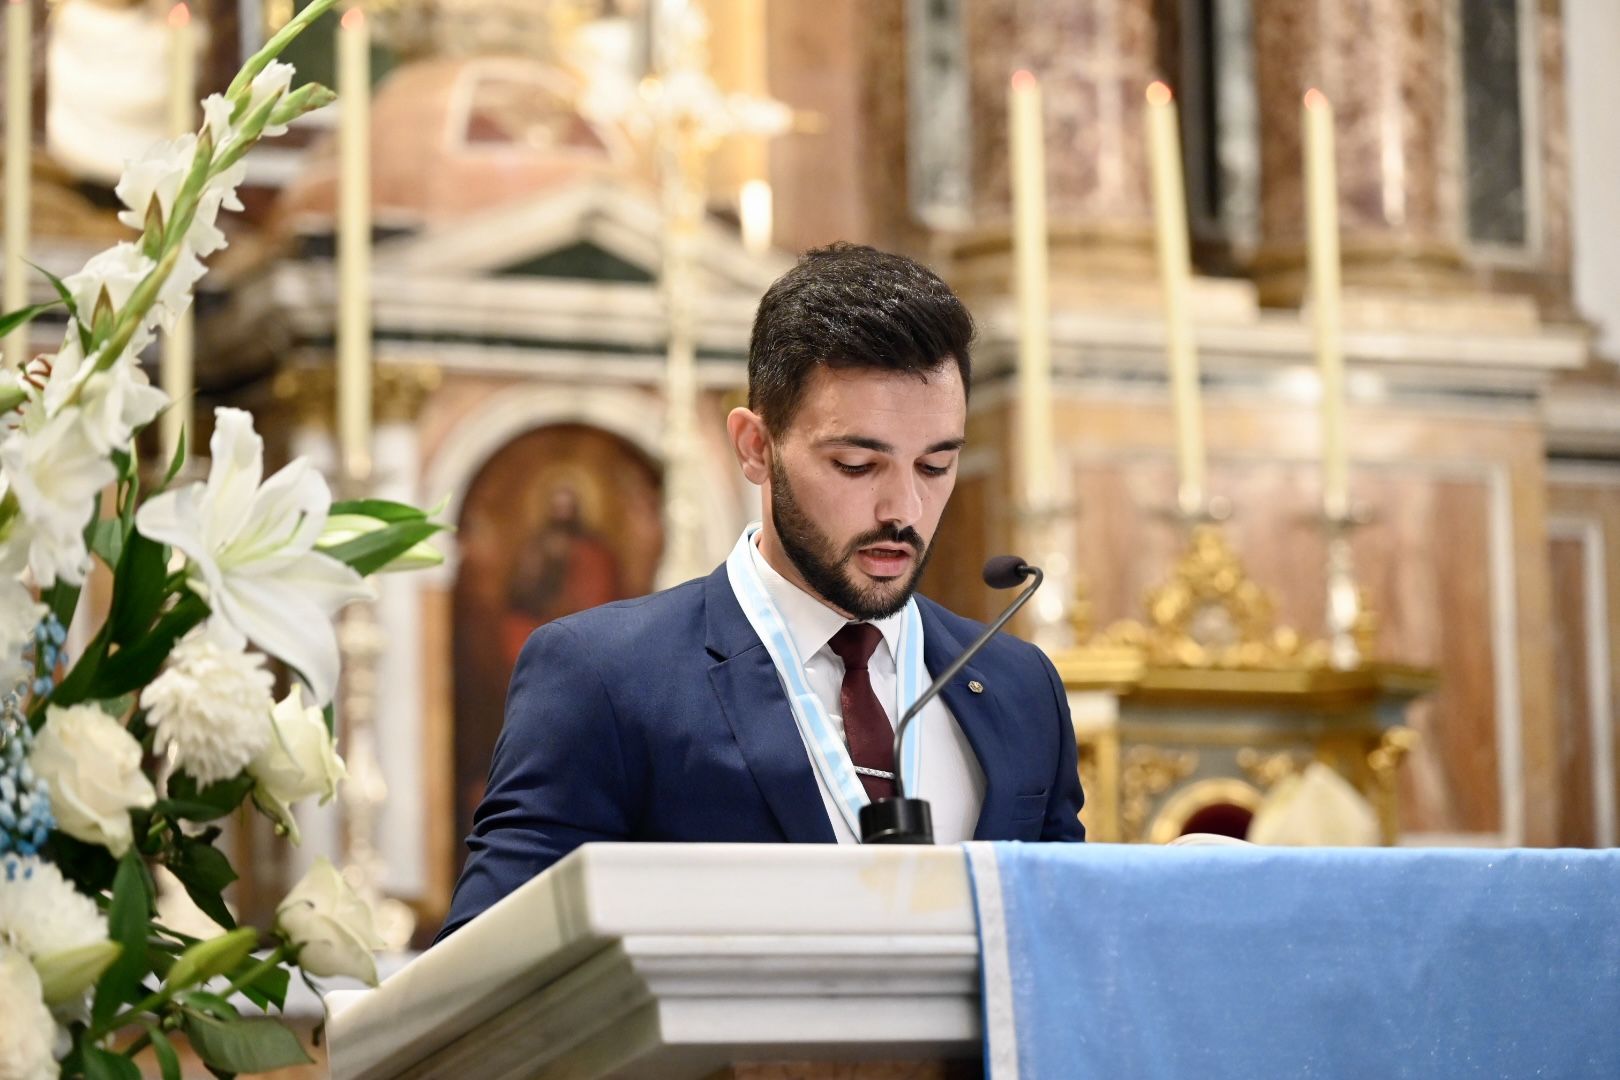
(908, 821)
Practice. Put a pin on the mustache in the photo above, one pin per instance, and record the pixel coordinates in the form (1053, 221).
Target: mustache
(889, 534)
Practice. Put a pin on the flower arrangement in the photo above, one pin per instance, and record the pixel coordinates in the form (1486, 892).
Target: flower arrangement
(124, 759)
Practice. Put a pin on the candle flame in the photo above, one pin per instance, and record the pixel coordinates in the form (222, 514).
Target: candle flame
(1023, 80)
(354, 18)
(1159, 94)
(179, 16)
(1315, 99)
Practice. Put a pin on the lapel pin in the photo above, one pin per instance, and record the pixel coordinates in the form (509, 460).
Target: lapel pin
(976, 686)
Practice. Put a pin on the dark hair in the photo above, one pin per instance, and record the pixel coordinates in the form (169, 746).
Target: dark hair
(849, 306)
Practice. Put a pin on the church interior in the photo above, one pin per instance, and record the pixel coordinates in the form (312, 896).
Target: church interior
(1330, 517)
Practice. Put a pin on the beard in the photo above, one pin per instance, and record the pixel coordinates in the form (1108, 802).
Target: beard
(825, 566)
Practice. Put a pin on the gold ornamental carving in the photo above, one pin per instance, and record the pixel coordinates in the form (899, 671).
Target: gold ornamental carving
(1148, 773)
(398, 392)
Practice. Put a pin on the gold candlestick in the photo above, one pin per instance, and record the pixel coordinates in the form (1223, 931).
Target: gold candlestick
(354, 244)
(19, 163)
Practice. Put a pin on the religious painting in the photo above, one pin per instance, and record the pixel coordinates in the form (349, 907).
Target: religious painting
(561, 519)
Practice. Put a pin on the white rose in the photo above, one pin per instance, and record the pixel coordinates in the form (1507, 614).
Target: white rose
(330, 926)
(93, 767)
(299, 762)
(28, 1033)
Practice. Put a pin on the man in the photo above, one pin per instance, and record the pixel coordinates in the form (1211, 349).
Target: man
(757, 704)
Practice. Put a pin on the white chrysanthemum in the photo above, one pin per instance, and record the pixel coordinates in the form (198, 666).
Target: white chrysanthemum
(28, 1031)
(41, 913)
(211, 706)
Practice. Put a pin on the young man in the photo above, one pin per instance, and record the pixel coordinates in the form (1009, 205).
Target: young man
(758, 704)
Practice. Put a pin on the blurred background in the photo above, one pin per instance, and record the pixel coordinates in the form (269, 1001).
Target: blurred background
(1368, 602)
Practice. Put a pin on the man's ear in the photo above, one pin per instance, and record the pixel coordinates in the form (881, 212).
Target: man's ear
(751, 442)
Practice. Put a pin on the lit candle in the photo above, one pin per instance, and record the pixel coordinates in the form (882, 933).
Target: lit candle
(1322, 216)
(175, 370)
(19, 162)
(754, 214)
(354, 245)
(1028, 164)
(1175, 277)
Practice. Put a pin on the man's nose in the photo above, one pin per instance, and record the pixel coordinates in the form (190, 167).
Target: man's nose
(900, 501)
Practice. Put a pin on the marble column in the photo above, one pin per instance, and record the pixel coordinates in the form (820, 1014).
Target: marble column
(1095, 59)
(1389, 67)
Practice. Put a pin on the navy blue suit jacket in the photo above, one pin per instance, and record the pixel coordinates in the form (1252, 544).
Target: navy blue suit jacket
(662, 718)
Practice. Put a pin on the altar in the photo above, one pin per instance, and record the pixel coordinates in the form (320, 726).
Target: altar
(1020, 960)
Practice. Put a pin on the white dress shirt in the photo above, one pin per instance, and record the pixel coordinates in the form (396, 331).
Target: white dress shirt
(952, 780)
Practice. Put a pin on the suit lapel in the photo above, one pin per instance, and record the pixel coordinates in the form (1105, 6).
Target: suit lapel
(753, 702)
(980, 716)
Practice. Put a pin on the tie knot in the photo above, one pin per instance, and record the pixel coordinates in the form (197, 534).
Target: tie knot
(855, 643)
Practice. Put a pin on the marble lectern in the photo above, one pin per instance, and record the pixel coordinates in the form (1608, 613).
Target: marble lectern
(707, 960)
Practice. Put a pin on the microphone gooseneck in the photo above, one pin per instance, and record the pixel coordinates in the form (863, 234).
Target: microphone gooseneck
(907, 821)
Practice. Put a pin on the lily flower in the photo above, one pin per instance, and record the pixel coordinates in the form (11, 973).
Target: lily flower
(250, 551)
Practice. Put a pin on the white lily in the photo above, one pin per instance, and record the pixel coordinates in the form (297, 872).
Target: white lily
(55, 473)
(250, 551)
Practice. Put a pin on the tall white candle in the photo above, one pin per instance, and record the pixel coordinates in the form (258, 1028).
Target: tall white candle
(1030, 281)
(354, 245)
(1175, 277)
(19, 162)
(754, 210)
(1322, 216)
(175, 371)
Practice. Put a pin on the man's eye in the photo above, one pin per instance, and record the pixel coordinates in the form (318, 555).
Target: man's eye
(853, 470)
(934, 470)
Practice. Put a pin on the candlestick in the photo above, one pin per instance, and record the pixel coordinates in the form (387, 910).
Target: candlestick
(1175, 277)
(175, 368)
(1322, 215)
(1028, 154)
(19, 164)
(354, 244)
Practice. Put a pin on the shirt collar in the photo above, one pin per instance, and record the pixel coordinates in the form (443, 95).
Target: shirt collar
(809, 620)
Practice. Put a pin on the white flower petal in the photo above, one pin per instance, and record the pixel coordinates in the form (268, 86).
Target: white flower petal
(289, 616)
(233, 475)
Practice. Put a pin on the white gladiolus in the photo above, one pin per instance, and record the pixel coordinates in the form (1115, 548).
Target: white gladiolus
(272, 82)
(40, 913)
(55, 474)
(250, 551)
(330, 926)
(27, 1032)
(19, 611)
(299, 762)
(93, 767)
(113, 403)
(159, 174)
(211, 706)
(114, 272)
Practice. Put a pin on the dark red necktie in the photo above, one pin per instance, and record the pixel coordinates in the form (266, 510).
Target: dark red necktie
(866, 727)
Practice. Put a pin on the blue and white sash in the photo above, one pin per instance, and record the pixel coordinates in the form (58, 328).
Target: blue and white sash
(828, 752)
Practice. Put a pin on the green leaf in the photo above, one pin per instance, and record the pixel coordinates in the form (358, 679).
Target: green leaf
(210, 1004)
(178, 460)
(205, 872)
(168, 1060)
(89, 866)
(214, 801)
(244, 1046)
(137, 589)
(135, 666)
(213, 957)
(102, 1064)
(23, 316)
(127, 919)
(68, 302)
(107, 540)
(381, 509)
(369, 553)
(268, 988)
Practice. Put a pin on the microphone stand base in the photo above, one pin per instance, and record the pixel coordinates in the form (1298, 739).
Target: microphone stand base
(897, 821)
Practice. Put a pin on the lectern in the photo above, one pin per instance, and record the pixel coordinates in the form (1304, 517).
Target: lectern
(670, 961)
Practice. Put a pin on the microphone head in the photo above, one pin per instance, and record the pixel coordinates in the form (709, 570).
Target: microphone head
(1005, 571)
